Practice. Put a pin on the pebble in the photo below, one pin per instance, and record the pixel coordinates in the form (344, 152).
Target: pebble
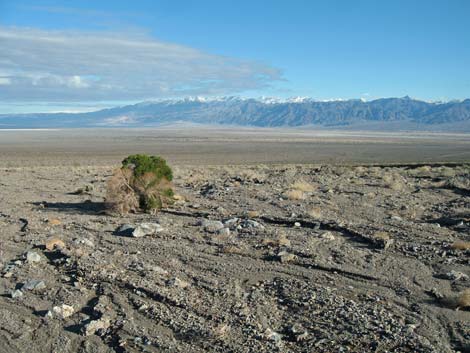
(34, 284)
(145, 229)
(297, 224)
(33, 257)
(84, 241)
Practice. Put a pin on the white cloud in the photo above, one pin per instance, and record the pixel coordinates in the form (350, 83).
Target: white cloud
(5, 81)
(40, 65)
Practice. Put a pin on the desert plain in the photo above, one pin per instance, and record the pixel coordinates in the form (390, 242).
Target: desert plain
(278, 241)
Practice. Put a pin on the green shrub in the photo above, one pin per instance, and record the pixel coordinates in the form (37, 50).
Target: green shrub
(143, 182)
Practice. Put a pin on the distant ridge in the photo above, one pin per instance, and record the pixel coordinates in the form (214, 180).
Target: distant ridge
(396, 113)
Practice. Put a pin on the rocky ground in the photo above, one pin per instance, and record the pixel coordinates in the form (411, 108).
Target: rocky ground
(266, 258)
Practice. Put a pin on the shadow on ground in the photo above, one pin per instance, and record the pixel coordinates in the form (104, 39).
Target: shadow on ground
(86, 207)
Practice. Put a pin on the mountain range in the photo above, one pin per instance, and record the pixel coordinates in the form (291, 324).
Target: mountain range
(386, 113)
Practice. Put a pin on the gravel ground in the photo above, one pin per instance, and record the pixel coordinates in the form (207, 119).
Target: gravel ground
(261, 258)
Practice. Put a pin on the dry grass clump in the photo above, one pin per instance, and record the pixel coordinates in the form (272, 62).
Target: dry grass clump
(253, 175)
(221, 330)
(394, 182)
(304, 186)
(461, 245)
(459, 301)
(179, 197)
(253, 214)
(295, 195)
(463, 300)
(315, 212)
(359, 170)
(381, 235)
(298, 189)
(232, 249)
(382, 239)
(196, 178)
(424, 169)
(143, 182)
(447, 172)
(280, 241)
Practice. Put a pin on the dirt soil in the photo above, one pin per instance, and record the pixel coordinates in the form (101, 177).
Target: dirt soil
(260, 258)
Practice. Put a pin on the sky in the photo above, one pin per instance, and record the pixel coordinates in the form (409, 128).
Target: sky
(86, 55)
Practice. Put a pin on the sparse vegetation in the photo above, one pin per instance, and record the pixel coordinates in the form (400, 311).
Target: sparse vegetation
(253, 214)
(394, 182)
(315, 212)
(143, 182)
(303, 186)
(463, 300)
(295, 195)
(461, 245)
(280, 241)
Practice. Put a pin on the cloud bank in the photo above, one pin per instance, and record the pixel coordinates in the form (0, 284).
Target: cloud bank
(39, 65)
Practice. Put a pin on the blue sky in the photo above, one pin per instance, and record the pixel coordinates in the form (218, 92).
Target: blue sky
(83, 55)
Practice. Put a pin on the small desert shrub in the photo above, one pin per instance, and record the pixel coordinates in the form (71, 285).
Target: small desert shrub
(143, 182)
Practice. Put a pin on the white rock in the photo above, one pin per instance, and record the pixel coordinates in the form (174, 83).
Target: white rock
(95, 325)
(33, 257)
(34, 284)
(396, 218)
(297, 224)
(231, 222)
(16, 294)
(211, 226)
(63, 311)
(249, 223)
(146, 229)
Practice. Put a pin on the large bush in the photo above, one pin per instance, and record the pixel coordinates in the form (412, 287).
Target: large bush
(142, 183)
